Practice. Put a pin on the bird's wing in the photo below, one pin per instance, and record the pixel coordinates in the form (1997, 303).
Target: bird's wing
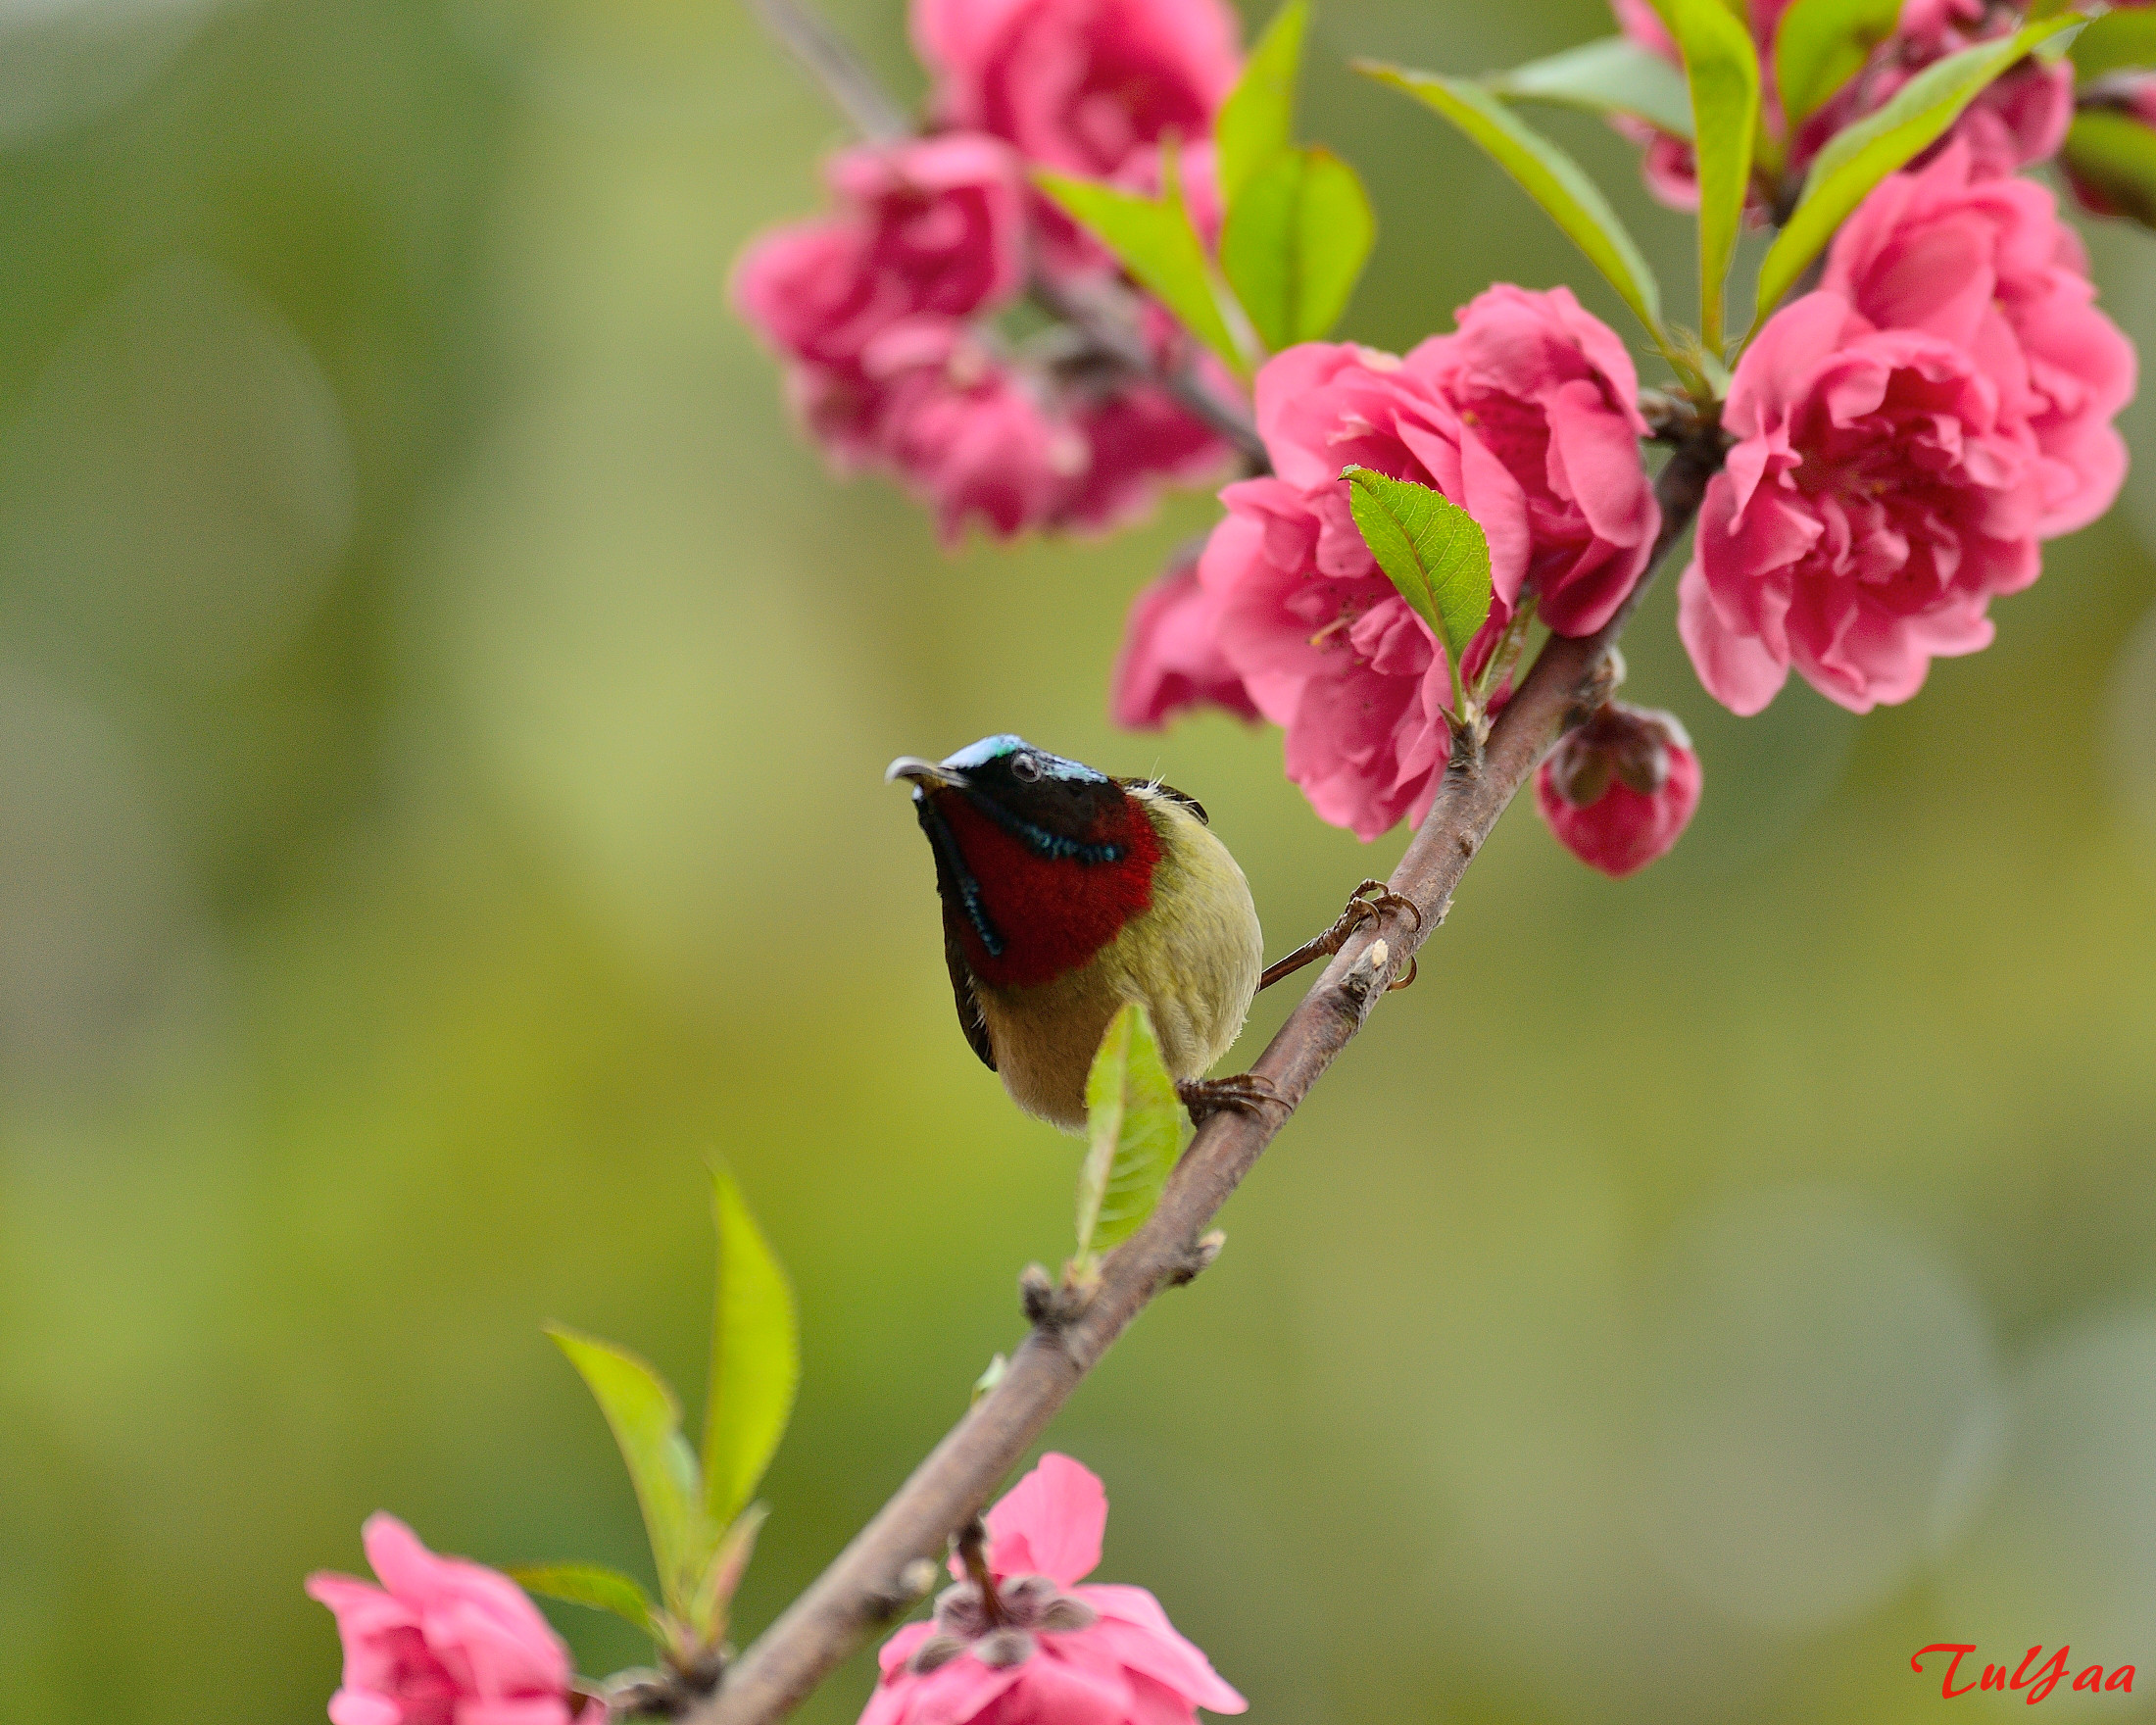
(1172, 794)
(969, 1008)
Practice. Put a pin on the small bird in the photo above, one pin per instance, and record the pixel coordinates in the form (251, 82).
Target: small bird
(1068, 893)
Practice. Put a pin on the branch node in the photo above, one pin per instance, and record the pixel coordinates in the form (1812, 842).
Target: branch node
(1051, 1305)
(1197, 1259)
(906, 1590)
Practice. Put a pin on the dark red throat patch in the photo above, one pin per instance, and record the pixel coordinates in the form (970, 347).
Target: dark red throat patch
(1052, 912)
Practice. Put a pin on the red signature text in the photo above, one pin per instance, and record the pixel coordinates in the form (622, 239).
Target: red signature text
(2039, 1680)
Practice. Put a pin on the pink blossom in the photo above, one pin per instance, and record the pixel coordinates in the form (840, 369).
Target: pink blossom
(1620, 789)
(443, 1642)
(2020, 118)
(932, 224)
(1551, 391)
(1171, 657)
(1905, 438)
(1987, 265)
(1525, 419)
(1050, 1652)
(1079, 85)
(968, 434)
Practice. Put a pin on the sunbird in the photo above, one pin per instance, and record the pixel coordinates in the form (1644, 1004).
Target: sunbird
(1068, 893)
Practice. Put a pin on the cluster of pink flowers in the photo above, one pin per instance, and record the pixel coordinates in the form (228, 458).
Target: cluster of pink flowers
(884, 311)
(443, 1642)
(1045, 1649)
(2019, 119)
(1526, 417)
(1905, 438)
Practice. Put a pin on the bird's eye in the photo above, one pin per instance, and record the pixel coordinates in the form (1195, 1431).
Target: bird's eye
(1024, 768)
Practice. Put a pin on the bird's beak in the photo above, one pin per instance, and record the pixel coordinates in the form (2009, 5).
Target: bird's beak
(925, 773)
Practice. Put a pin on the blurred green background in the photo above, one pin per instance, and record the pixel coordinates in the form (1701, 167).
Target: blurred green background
(442, 707)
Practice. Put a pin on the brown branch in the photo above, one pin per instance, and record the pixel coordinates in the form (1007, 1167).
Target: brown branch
(873, 1580)
(1107, 318)
(850, 86)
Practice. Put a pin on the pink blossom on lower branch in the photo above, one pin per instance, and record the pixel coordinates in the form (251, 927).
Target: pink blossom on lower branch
(1904, 438)
(1526, 418)
(1171, 658)
(1620, 789)
(1048, 1651)
(444, 1642)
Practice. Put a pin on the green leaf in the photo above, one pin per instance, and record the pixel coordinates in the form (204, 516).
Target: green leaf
(1134, 1126)
(715, 1597)
(1552, 178)
(1862, 155)
(588, 1584)
(1433, 550)
(1154, 239)
(647, 1426)
(1614, 76)
(756, 1357)
(1295, 244)
(1819, 45)
(1257, 121)
(2114, 154)
(2118, 41)
(1722, 69)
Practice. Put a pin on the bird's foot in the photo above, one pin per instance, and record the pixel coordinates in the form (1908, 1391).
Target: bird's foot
(1366, 904)
(1245, 1093)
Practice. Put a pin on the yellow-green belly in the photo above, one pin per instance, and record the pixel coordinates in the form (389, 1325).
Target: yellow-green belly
(1194, 958)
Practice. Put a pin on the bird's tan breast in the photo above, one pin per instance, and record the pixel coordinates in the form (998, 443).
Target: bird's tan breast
(1193, 958)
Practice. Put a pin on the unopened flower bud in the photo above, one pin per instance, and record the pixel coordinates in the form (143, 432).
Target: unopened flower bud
(1620, 789)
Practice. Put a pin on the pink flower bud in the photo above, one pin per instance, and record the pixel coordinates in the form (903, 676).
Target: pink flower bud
(1045, 1651)
(1619, 790)
(444, 1642)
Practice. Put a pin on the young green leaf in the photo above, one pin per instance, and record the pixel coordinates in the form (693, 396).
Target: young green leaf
(1552, 178)
(1154, 239)
(647, 1426)
(1134, 1127)
(1256, 122)
(588, 1584)
(2124, 39)
(1433, 551)
(1295, 243)
(1614, 76)
(1862, 155)
(715, 1597)
(756, 1357)
(1722, 69)
(2114, 154)
(1819, 45)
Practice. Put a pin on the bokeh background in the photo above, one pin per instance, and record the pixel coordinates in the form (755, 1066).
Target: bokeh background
(442, 707)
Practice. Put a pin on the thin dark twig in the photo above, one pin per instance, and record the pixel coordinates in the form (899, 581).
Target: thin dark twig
(862, 1588)
(1107, 318)
(850, 86)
